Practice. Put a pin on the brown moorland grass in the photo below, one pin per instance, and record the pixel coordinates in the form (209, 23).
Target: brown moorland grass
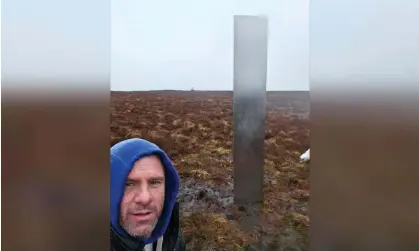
(195, 129)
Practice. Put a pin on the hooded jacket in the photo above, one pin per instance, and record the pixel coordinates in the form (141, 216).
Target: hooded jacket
(166, 235)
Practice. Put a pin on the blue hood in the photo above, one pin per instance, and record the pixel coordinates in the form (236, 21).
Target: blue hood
(123, 156)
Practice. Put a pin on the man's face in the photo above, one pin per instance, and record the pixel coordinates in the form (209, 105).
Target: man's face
(143, 199)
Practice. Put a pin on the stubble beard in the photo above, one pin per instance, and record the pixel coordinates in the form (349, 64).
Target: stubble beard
(131, 229)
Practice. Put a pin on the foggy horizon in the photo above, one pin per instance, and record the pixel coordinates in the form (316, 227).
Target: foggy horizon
(163, 90)
(135, 46)
(189, 44)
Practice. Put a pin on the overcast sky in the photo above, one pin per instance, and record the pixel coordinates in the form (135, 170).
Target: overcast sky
(184, 44)
(188, 43)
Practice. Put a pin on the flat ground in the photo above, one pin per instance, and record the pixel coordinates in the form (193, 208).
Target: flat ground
(195, 129)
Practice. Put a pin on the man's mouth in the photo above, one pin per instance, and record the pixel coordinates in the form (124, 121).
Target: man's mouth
(143, 216)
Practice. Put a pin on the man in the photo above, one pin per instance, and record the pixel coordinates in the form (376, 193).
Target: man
(144, 186)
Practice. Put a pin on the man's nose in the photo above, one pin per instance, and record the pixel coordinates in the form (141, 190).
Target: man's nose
(142, 196)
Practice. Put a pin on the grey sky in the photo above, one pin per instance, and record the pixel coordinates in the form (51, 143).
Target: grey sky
(154, 44)
(186, 43)
(46, 42)
(358, 42)
(183, 44)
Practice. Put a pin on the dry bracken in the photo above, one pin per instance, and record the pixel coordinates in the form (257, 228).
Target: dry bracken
(196, 129)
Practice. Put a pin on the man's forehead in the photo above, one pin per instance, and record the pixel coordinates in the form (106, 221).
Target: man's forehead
(148, 165)
(149, 160)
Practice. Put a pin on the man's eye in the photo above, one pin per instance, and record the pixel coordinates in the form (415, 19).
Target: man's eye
(155, 182)
(128, 184)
